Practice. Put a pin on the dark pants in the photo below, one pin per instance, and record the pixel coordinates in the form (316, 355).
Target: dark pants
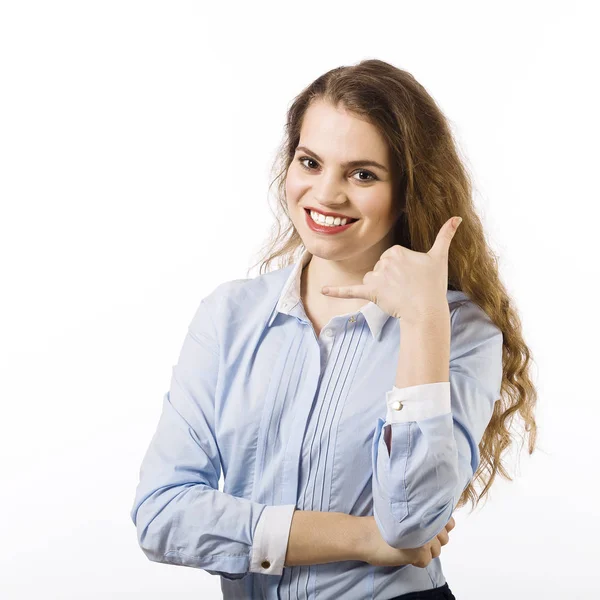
(438, 593)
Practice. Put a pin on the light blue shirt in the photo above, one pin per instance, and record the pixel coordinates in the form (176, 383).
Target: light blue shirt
(297, 422)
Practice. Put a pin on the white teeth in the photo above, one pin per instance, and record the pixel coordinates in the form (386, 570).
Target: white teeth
(328, 221)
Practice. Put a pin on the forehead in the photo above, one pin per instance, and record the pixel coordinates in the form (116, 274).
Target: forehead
(339, 134)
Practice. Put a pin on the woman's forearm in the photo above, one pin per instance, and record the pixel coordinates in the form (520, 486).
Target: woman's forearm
(324, 537)
(424, 355)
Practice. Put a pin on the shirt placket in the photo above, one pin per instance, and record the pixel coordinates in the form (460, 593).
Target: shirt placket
(305, 576)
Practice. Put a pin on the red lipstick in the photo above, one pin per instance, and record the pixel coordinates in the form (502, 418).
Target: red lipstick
(327, 229)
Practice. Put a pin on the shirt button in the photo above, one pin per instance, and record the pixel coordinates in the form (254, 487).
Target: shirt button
(265, 564)
(352, 319)
(328, 333)
(397, 405)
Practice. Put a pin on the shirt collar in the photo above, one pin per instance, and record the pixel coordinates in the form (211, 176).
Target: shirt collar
(375, 317)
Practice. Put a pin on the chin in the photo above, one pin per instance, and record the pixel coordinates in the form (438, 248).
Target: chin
(328, 252)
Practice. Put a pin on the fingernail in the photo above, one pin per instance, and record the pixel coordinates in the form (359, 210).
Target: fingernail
(456, 222)
(325, 290)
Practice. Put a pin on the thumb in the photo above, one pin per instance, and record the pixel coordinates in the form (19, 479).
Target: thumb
(446, 235)
(346, 291)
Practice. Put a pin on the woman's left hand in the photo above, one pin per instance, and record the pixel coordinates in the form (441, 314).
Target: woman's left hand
(374, 550)
(407, 284)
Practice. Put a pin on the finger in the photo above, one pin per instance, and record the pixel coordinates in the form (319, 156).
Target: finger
(450, 524)
(445, 236)
(436, 548)
(391, 250)
(347, 291)
(443, 537)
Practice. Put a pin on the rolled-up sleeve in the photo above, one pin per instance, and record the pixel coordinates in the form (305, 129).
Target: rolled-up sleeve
(181, 516)
(420, 473)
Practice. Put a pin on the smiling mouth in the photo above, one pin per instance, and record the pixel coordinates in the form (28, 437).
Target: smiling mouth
(348, 219)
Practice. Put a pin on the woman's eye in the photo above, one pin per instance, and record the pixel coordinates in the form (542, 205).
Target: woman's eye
(373, 178)
(306, 158)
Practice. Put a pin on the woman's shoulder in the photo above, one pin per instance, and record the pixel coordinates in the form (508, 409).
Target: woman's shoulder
(246, 296)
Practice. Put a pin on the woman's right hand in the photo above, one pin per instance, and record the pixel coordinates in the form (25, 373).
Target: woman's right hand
(380, 554)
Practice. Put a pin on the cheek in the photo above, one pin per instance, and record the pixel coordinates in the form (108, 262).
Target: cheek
(294, 187)
(380, 219)
(385, 213)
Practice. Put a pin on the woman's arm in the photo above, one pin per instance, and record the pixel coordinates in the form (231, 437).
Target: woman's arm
(431, 449)
(181, 516)
(424, 355)
(323, 537)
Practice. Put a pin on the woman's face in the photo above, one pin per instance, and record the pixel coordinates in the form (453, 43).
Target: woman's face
(320, 178)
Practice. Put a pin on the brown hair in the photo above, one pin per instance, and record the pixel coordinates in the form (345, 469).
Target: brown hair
(432, 184)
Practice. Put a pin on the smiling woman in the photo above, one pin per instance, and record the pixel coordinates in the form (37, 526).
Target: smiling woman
(349, 427)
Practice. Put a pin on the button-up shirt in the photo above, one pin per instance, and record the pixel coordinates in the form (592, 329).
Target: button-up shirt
(296, 421)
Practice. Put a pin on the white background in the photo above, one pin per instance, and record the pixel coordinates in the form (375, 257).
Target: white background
(136, 140)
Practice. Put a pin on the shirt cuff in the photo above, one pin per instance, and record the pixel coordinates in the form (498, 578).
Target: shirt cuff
(417, 402)
(271, 539)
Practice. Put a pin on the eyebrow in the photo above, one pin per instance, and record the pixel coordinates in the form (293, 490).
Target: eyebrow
(351, 163)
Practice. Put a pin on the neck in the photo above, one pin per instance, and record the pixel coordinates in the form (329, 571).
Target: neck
(320, 272)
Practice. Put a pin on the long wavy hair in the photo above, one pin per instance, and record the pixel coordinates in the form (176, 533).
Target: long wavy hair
(431, 184)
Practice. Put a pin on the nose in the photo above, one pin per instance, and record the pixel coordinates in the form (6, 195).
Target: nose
(328, 192)
(333, 201)
(330, 195)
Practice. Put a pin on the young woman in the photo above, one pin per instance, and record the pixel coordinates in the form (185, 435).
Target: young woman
(349, 423)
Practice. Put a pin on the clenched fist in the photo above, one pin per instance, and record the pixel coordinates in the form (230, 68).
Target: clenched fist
(378, 553)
